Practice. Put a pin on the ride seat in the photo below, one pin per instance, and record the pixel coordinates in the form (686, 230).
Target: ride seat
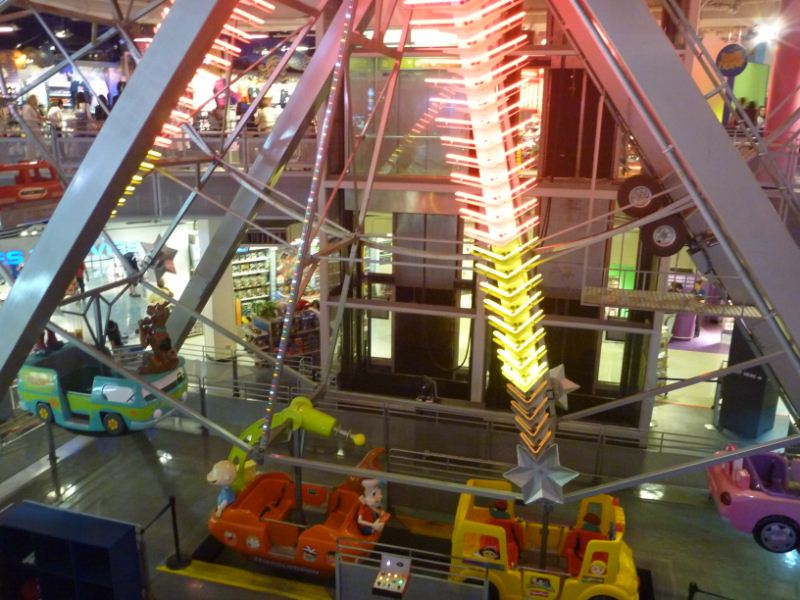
(514, 538)
(575, 547)
(277, 507)
(342, 505)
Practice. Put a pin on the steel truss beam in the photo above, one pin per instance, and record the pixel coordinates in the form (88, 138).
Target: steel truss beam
(311, 91)
(176, 52)
(391, 86)
(209, 172)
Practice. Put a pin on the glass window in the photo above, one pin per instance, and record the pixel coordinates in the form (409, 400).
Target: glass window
(8, 178)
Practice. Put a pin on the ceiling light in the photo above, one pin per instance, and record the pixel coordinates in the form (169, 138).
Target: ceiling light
(8, 28)
(259, 36)
(62, 33)
(768, 32)
(302, 48)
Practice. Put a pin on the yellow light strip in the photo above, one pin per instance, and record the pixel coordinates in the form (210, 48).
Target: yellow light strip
(513, 313)
(510, 294)
(508, 275)
(513, 330)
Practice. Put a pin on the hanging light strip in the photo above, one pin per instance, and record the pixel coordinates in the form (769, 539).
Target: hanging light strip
(317, 177)
(498, 201)
(172, 128)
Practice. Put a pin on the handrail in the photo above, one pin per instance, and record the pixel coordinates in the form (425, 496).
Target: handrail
(493, 421)
(721, 85)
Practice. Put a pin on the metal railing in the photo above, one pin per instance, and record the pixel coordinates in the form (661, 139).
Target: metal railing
(69, 148)
(623, 287)
(390, 420)
(787, 206)
(452, 572)
(489, 423)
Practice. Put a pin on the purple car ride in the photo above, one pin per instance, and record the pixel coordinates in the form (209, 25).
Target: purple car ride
(760, 494)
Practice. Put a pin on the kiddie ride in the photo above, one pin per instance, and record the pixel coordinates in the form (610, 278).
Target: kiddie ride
(258, 521)
(760, 494)
(60, 383)
(72, 389)
(29, 181)
(587, 561)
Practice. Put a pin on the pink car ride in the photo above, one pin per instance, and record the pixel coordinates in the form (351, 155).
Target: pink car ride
(760, 494)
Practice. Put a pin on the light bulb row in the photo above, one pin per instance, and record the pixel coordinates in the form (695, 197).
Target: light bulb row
(214, 65)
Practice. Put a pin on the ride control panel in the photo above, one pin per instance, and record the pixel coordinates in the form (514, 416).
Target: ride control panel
(392, 579)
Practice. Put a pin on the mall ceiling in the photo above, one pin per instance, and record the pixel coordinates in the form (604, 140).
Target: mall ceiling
(100, 11)
(80, 20)
(726, 17)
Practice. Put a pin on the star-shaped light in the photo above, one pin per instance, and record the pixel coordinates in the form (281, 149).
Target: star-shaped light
(561, 386)
(542, 477)
(165, 256)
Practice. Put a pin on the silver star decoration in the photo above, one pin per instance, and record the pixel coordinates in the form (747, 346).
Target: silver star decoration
(540, 478)
(560, 386)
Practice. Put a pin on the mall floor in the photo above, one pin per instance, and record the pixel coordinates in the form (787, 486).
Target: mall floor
(674, 531)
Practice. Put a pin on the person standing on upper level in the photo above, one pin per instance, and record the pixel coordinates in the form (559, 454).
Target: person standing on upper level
(33, 120)
(55, 117)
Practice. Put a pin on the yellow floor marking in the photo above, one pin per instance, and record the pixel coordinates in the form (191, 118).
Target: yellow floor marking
(257, 582)
(419, 526)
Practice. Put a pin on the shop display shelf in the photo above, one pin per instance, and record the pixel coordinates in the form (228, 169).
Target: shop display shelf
(248, 260)
(253, 298)
(249, 287)
(253, 272)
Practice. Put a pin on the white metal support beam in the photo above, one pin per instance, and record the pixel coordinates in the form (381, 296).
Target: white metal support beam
(680, 136)
(166, 69)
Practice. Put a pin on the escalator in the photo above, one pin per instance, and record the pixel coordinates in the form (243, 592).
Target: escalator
(739, 234)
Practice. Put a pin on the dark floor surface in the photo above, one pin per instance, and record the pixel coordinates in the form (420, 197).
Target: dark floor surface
(675, 532)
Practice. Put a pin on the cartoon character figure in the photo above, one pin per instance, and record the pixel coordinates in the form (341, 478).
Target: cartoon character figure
(370, 511)
(309, 553)
(153, 333)
(541, 582)
(223, 474)
(597, 568)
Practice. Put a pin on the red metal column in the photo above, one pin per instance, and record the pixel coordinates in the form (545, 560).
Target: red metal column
(783, 98)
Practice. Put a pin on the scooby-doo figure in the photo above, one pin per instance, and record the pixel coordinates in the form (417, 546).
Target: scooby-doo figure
(153, 333)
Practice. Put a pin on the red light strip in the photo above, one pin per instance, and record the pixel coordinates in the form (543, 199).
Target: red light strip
(503, 220)
(177, 117)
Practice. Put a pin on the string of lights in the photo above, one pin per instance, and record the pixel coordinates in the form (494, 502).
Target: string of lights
(216, 63)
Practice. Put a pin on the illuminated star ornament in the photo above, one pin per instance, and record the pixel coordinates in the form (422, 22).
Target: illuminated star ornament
(560, 386)
(482, 105)
(542, 477)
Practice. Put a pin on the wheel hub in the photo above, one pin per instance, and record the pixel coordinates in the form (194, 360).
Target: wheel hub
(640, 196)
(778, 537)
(664, 235)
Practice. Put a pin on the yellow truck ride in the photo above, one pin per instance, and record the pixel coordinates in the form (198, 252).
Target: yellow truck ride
(586, 561)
